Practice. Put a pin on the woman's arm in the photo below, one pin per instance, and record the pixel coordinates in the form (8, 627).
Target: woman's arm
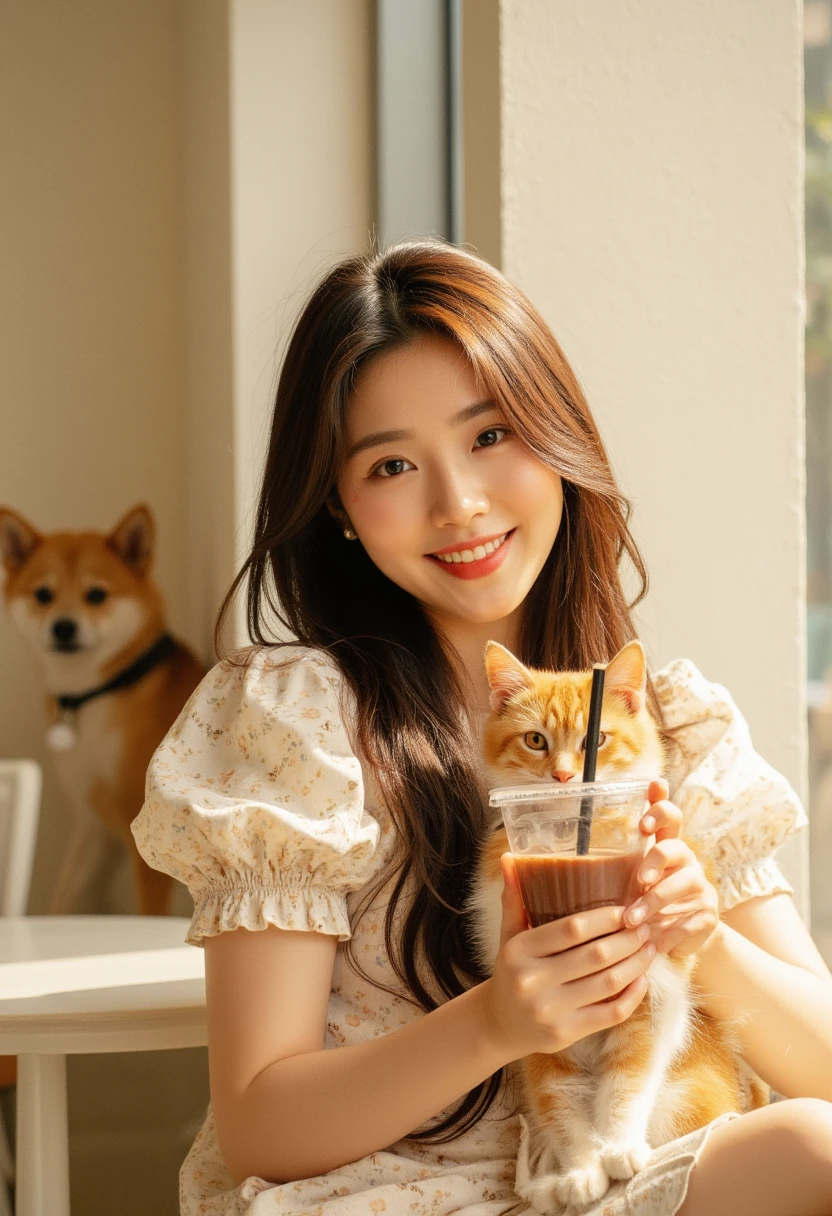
(762, 965)
(287, 1109)
(757, 964)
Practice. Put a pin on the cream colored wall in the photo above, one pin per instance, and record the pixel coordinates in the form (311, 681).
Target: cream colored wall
(652, 208)
(91, 376)
(481, 107)
(208, 355)
(302, 189)
(92, 420)
(175, 173)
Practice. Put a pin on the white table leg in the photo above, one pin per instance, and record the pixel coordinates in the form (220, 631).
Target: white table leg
(42, 1183)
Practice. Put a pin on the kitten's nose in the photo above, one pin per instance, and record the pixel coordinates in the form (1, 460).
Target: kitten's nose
(562, 775)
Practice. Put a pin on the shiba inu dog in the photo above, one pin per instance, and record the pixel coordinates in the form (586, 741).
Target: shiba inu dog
(115, 681)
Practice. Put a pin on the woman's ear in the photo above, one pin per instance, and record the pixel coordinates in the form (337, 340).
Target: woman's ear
(333, 505)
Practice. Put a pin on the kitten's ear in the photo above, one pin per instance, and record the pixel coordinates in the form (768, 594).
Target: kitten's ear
(506, 675)
(626, 677)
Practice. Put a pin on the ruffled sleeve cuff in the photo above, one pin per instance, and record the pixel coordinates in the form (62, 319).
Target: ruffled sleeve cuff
(750, 880)
(737, 810)
(298, 905)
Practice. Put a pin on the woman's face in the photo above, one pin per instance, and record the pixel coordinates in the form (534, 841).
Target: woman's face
(445, 499)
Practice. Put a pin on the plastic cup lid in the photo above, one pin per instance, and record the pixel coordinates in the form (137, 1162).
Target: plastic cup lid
(512, 794)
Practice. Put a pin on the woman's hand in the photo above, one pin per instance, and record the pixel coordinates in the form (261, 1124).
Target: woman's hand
(564, 980)
(677, 901)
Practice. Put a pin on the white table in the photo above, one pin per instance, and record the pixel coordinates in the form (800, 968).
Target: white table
(72, 985)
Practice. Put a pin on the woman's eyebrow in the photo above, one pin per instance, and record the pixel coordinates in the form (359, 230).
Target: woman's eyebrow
(377, 438)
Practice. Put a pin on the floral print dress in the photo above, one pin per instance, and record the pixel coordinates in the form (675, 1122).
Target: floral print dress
(257, 800)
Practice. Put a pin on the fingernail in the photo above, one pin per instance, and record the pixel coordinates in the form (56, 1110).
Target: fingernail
(649, 822)
(650, 950)
(644, 933)
(637, 914)
(648, 876)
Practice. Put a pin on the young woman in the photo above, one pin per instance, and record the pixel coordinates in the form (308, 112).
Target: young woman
(322, 799)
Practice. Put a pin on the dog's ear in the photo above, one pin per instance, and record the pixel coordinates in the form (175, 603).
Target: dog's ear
(18, 540)
(133, 539)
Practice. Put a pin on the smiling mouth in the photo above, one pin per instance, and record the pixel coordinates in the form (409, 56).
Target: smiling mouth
(477, 562)
(477, 554)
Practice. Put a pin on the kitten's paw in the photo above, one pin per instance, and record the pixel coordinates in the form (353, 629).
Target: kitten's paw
(624, 1160)
(540, 1195)
(578, 1187)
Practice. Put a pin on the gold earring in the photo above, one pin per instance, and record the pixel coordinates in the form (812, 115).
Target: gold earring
(349, 534)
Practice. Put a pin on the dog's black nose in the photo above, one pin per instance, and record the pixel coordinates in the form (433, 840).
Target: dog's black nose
(64, 629)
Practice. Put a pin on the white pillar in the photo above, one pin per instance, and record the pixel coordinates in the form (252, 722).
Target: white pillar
(652, 208)
(301, 110)
(279, 184)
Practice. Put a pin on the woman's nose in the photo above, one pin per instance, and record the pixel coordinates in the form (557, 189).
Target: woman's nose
(458, 500)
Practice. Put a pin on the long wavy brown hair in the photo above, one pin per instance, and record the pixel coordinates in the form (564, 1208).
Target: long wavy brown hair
(328, 594)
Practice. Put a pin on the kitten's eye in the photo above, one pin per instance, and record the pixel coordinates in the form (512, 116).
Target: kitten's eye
(537, 742)
(96, 595)
(602, 738)
(44, 596)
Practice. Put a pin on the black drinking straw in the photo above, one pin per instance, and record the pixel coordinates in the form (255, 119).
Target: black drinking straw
(593, 730)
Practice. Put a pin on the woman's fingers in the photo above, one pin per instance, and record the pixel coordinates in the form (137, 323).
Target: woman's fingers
(663, 818)
(673, 890)
(611, 1013)
(657, 790)
(613, 980)
(688, 935)
(513, 914)
(602, 953)
(571, 931)
(664, 855)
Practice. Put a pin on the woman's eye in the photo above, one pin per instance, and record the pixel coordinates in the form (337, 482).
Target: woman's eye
(535, 741)
(602, 738)
(494, 434)
(44, 596)
(95, 595)
(390, 468)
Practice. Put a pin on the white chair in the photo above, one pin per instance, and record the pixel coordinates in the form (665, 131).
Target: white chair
(20, 789)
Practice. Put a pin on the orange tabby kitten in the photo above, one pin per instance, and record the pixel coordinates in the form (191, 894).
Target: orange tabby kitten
(598, 1108)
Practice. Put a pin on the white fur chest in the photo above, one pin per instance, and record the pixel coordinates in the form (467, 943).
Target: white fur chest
(486, 909)
(95, 759)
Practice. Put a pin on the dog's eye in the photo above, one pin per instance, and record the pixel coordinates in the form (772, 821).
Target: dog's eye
(95, 595)
(44, 596)
(534, 740)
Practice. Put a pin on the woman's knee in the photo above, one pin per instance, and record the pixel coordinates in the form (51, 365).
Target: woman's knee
(774, 1160)
(806, 1123)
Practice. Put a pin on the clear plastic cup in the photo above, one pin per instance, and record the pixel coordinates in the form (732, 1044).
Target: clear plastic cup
(544, 828)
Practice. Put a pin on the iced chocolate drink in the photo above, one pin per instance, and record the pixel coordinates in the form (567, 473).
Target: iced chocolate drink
(556, 885)
(561, 869)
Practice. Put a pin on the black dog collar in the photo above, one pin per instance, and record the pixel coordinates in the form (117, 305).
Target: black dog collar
(61, 735)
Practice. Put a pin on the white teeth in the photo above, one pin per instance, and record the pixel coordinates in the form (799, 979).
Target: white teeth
(473, 555)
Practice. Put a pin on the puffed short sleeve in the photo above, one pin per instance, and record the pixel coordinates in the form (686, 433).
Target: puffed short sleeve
(737, 810)
(255, 800)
